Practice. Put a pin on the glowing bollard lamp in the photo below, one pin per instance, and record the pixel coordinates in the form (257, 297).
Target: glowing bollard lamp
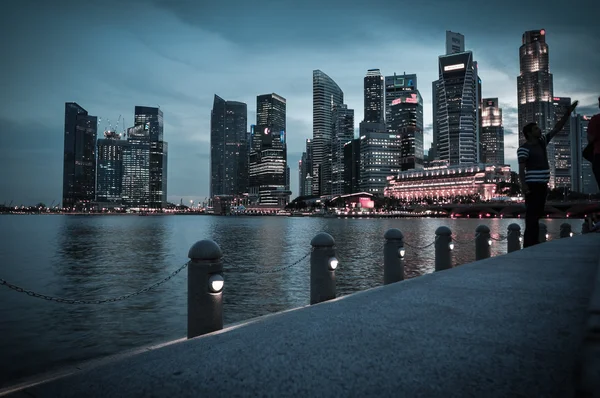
(323, 264)
(393, 256)
(483, 242)
(443, 248)
(205, 289)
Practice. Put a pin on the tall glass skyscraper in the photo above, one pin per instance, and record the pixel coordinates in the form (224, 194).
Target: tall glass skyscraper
(109, 180)
(582, 178)
(228, 148)
(374, 97)
(562, 145)
(305, 171)
(456, 109)
(535, 90)
(343, 132)
(326, 94)
(492, 133)
(268, 153)
(79, 162)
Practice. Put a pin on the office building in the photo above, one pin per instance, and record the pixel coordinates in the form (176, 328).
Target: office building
(492, 133)
(326, 94)
(455, 43)
(562, 145)
(343, 132)
(109, 179)
(228, 148)
(374, 97)
(352, 166)
(582, 177)
(79, 160)
(305, 170)
(380, 157)
(535, 91)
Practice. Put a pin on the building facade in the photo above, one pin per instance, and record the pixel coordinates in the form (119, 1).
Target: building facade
(326, 94)
(456, 109)
(562, 145)
(228, 147)
(446, 184)
(374, 97)
(136, 168)
(492, 132)
(352, 166)
(380, 157)
(406, 120)
(582, 177)
(109, 178)
(268, 152)
(79, 161)
(305, 170)
(535, 90)
(343, 132)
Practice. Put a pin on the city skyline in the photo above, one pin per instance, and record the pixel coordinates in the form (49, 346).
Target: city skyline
(119, 64)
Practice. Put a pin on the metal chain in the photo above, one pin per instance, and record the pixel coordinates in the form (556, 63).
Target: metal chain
(100, 301)
(500, 238)
(419, 247)
(362, 257)
(463, 241)
(259, 270)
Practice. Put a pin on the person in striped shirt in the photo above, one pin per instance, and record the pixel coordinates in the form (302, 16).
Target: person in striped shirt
(534, 173)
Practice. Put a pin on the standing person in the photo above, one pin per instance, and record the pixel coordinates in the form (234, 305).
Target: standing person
(593, 136)
(534, 173)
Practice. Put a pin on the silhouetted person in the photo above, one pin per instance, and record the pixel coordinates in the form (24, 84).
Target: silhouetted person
(593, 136)
(534, 173)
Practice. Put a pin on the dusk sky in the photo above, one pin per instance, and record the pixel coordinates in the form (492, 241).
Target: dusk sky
(109, 56)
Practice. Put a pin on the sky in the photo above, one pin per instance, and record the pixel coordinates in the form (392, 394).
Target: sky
(109, 56)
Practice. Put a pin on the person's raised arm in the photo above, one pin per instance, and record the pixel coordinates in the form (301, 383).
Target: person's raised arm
(561, 123)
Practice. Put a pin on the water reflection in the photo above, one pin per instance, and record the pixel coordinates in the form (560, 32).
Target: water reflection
(96, 257)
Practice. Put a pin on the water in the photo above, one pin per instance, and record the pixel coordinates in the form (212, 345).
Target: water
(90, 258)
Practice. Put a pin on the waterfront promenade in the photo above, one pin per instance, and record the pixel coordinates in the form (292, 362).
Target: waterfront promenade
(510, 325)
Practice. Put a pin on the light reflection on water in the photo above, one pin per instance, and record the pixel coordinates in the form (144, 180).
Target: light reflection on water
(91, 258)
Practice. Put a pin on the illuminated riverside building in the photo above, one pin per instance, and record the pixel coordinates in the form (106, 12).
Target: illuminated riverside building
(380, 156)
(492, 132)
(109, 179)
(447, 183)
(562, 145)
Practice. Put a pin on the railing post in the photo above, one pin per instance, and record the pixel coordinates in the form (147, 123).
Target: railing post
(483, 242)
(205, 289)
(513, 238)
(322, 268)
(393, 256)
(543, 237)
(565, 230)
(443, 248)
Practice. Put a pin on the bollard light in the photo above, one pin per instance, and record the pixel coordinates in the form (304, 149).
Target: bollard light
(520, 239)
(489, 242)
(571, 234)
(547, 236)
(451, 246)
(333, 263)
(401, 252)
(215, 283)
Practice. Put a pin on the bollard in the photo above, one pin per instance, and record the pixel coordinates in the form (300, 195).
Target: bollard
(443, 248)
(393, 256)
(205, 289)
(543, 236)
(483, 242)
(565, 230)
(322, 268)
(513, 239)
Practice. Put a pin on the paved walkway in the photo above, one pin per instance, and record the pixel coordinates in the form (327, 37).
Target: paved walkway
(508, 326)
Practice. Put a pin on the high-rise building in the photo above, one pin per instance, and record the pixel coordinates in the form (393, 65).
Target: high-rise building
(305, 170)
(145, 160)
(268, 153)
(380, 157)
(562, 145)
(455, 43)
(343, 132)
(228, 148)
(582, 177)
(79, 162)
(456, 110)
(492, 133)
(374, 97)
(109, 179)
(352, 166)
(535, 90)
(404, 117)
(326, 94)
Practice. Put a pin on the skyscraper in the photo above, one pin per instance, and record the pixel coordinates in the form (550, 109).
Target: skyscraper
(305, 170)
(492, 132)
(374, 97)
(404, 117)
(228, 147)
(79, 162)
(582, 178)
(456, 109)
(109, 180)
(455, 43)
(326, 94)
(535, 89)
(268, 154)
(145, 160)
(562, 145)
(343, 132)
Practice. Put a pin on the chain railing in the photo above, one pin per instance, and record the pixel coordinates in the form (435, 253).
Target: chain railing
(97, 301)
(419, 247)
(265, 270)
